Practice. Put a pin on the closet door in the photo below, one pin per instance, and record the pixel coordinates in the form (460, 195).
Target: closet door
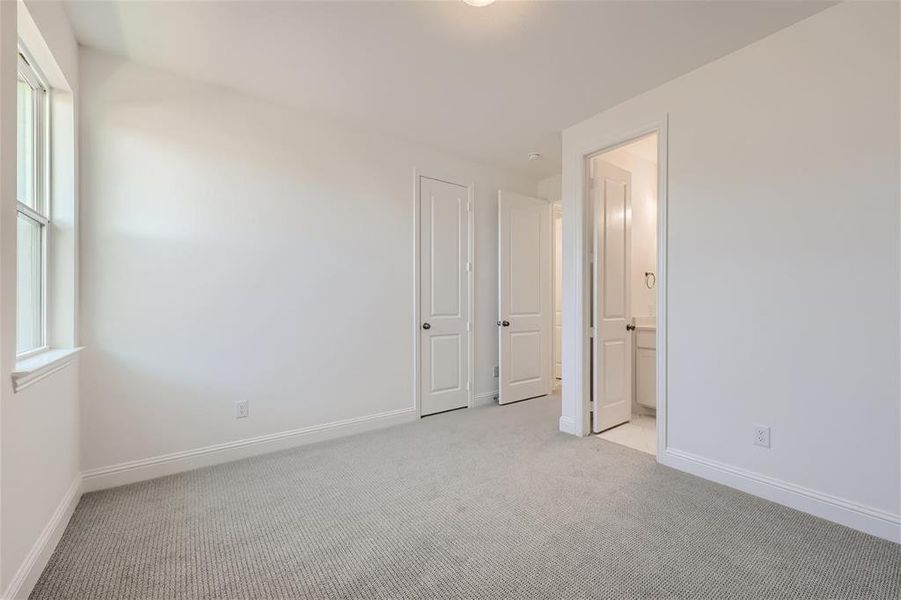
(444, 296)
(525, 304)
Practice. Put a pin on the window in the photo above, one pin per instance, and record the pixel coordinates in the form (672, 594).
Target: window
(33, 216)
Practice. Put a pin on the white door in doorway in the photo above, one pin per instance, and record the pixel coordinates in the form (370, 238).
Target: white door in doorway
(611, 193)
(444, 217)
(558, 292)
(525, 303)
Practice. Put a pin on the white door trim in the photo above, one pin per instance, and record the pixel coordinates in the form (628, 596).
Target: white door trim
(470, 257)
(576, 350)
(556, 211)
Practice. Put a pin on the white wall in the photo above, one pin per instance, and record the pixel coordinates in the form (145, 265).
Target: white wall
(41, 471)
(643, 246)
(7, 248)
(549, 188)
(39, 425)
(235, 250)
(783, 291)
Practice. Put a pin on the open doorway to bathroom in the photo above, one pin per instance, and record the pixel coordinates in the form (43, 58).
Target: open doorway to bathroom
(623, 193)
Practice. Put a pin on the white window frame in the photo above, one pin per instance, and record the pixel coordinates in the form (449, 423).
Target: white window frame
(41, 213)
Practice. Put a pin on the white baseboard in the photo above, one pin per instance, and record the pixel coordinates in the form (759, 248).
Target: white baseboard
(484, 398)
(187, 460)
(567, 425)
(851, 514)
(36, 560)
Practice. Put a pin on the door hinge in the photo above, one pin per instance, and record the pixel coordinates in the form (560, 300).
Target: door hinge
(469, 206)
(468, 326)
(468, 266)
(468, 385)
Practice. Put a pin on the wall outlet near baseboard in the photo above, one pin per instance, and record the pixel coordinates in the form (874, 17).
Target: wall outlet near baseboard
(242, 409)
(762, 436)
(497, 371)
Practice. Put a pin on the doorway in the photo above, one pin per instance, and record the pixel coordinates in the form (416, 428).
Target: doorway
(623, 196)
(444, 304)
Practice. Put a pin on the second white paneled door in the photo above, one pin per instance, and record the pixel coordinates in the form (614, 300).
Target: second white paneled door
(444, 298)
(525, 301)
(558, 292)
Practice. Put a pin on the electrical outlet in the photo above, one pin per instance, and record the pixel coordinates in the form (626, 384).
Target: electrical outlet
(497, 371)
(242, 409)
(762, 436)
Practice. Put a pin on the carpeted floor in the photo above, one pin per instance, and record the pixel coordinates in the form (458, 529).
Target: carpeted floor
(487, 503)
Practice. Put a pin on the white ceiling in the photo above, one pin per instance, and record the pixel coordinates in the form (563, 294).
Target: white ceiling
(491, 83)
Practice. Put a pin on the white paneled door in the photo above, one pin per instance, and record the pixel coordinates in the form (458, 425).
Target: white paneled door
(444, 295)
(525, 301)
(558, 292)
(611, 193)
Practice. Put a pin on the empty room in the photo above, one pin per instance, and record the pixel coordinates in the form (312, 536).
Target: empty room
(450, 299)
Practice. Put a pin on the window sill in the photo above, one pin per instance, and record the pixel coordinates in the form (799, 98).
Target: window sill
(34, 368)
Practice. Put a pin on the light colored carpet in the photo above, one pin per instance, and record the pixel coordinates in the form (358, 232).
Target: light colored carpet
(489, 502)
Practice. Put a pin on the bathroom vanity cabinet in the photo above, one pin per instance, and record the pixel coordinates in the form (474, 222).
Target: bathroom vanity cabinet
(646, 366)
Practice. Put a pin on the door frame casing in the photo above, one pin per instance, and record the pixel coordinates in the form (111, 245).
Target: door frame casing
(417, 263)
(577, 294)
(556, 210)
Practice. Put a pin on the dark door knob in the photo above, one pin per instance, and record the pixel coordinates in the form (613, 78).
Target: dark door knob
(426, 326)
(506, 323)
(630, 327)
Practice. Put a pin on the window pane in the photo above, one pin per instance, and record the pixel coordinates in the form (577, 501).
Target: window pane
(29, 310)
(25, 144)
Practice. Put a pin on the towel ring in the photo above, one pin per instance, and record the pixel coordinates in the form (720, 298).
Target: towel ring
(650, 280)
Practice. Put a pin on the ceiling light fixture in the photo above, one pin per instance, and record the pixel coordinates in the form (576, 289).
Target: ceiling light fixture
(534, 156)
(478, 3)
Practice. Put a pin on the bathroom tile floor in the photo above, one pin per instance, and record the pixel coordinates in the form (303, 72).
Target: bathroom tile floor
(639, 434)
